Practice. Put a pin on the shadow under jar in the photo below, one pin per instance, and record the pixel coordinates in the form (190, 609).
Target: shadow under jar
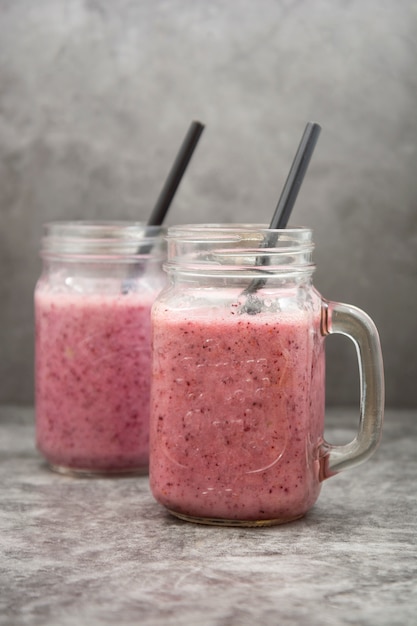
(92, 352)
(238, 389)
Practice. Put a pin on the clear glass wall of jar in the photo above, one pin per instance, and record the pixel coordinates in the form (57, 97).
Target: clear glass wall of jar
(92, 352)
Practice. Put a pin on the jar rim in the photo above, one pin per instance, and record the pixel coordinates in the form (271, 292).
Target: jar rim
(100, 226)
(227, 228)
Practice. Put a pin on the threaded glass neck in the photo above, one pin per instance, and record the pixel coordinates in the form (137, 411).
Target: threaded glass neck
(102, 240)
(244, 250)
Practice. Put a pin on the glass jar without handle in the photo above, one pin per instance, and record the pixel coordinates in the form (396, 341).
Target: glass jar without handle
(92, 353)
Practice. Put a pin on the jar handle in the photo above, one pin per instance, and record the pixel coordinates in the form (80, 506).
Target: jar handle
(359, 327)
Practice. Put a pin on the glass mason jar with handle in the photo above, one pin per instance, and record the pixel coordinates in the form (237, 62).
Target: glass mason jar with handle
(92, 352)
(238, 388)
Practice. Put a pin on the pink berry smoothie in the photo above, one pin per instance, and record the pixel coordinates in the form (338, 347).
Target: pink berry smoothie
(237, 413)
(93, 380)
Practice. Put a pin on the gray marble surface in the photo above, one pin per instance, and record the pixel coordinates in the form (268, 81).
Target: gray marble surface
(102, 551)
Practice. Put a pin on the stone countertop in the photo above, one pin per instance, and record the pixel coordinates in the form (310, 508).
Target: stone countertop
(99, 551)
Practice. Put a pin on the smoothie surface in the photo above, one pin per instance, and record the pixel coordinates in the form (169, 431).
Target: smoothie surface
(237, 411)
(93, 379)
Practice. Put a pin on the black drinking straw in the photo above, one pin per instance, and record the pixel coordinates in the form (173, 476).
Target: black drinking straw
(286, 202)
(175, 175)
(171, 184)
(295, 176)
(173, 179)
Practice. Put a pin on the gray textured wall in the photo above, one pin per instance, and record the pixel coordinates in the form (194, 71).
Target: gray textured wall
(96, 95)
